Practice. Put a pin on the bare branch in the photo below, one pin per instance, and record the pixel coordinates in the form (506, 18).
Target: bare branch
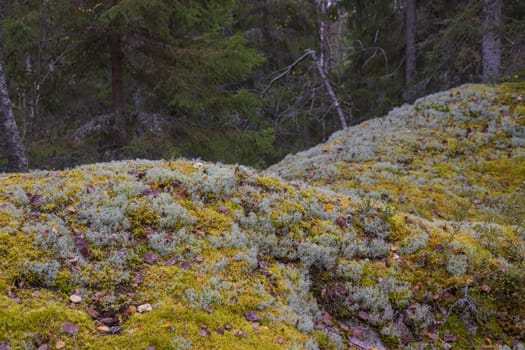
(320, 70)
(286, 71)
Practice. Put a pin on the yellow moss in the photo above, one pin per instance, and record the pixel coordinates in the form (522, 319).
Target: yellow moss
(398, 223)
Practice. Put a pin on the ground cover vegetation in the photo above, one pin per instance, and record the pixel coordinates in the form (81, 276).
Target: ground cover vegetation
(404, 232)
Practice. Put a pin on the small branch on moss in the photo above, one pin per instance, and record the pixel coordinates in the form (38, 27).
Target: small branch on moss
(466, 304)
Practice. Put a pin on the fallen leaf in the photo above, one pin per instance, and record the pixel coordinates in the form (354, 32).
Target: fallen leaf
(91, 312)
(102, 329)
(171, 261)
(115, 330)
(139, 278)
(343, 326)
(433, 335)
(75, 299)
(486, 288)
(449, 337)
(150, 258)
(358, 333)
(340, 221)
(363, 315)
(223, 210)
(69, 328)
(70, 209)
(82, 246)
(204, 333)
(144, 308)
(241, 333)
(108, 321)
(251, 316)
(327, 319)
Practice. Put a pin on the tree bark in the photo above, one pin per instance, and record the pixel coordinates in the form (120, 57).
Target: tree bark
(117, 85)
(491, 43)
(16, 159)
(322, 38)
(117, 88)
(328, 87)
(324, 78)
(410, 22)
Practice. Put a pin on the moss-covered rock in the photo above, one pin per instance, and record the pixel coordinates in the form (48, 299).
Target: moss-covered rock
(403, 232)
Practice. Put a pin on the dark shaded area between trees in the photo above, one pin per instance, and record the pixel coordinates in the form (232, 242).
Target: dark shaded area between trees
(91, 81)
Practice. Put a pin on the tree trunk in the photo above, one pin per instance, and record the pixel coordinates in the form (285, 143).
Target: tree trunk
(491, 44)
(117, 87)
(322, 38)
(410, 68)
(16, 159)
(328, 87)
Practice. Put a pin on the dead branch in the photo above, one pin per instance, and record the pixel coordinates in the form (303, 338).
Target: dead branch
(285, 72)
(324, 78)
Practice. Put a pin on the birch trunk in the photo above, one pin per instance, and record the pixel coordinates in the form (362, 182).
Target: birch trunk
(328, 87)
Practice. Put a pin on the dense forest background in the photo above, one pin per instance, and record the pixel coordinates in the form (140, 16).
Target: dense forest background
(228, 80)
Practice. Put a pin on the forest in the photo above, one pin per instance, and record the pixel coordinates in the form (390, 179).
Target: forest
(265, 174)
(88, 81)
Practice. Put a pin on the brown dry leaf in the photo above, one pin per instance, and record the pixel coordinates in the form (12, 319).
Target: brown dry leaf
(150, 258)
(327, 319)
(343, 326)
(449, 337)
(340, 221)
(70, 209)
(251, 316)
(204, 333)
(433, 335)
(69, 328)
(91, 312)
(363, 315)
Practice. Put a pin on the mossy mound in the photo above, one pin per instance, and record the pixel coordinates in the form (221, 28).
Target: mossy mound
(453, 155)
(231, 258)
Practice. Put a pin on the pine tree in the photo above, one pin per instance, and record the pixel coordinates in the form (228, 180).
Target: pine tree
(186, 55)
